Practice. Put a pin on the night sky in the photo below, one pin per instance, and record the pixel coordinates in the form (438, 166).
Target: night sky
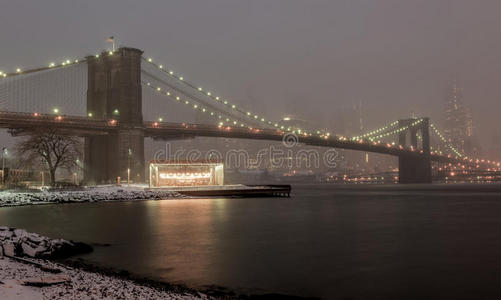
(310, 58)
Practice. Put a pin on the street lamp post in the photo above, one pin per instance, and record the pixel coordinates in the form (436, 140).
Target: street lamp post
(3, 165)
(79, 165)
(128, 166)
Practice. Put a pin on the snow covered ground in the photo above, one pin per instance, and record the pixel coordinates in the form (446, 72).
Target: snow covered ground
(23, 275)
(21, 281)
(87, 194)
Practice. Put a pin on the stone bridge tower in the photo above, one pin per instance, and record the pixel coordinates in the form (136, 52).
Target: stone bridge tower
(114, 92)
(414, 169)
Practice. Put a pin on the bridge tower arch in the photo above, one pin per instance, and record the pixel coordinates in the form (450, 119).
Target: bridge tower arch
(412, 168)
(114, 93)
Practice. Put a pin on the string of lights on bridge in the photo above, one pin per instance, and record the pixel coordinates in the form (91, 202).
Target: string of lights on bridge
(398, 130)
(458, 154)
(247, 114)
(53, 65)
(375, 131)
(194, 105)
(433, 151)
(179, 97)
(370, 136)
(444, 140)
(222, 118)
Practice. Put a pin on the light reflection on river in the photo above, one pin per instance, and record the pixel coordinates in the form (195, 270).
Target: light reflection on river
(327, 241)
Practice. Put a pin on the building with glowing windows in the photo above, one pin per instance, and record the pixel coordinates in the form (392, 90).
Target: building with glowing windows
(184, 173)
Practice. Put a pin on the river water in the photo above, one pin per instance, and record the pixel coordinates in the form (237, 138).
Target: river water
(328, 241)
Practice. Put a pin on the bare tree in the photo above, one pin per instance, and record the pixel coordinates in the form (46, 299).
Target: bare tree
(52, 148)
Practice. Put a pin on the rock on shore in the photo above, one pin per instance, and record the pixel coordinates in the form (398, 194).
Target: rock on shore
(20, 243)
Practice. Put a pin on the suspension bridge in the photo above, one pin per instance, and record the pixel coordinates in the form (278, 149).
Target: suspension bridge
(104, 100)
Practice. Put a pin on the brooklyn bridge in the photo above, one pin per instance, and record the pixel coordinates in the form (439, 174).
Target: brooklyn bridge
(114, 127)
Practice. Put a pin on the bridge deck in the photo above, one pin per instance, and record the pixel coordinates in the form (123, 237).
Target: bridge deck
(84, 126)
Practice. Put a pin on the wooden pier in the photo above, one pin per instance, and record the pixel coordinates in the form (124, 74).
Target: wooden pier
(282, 190)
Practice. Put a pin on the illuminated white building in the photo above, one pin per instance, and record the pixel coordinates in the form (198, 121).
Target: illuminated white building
(184, 173)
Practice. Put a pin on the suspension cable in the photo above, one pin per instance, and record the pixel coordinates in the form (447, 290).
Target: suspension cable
(51, 66)
(200, 102)
(375, 131)
(247, 114)
(197, 106)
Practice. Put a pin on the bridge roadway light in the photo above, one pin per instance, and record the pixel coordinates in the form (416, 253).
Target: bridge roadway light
(90, 115)
(56, 110)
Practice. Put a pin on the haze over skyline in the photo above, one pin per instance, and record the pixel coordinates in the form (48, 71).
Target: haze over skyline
(309, 58)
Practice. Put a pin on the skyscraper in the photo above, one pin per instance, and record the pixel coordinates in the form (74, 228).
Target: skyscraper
(455, 126)
(458, 126)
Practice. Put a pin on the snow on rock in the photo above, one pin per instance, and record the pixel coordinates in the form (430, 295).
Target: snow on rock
(18, 242)
(8, 248)
(88, 194)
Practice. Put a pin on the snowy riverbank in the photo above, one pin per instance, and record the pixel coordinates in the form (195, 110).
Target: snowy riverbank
(22, 280)
(23, 275)
(87, 194)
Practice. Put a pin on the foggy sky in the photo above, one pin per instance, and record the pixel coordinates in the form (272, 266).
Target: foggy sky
(306, 57)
